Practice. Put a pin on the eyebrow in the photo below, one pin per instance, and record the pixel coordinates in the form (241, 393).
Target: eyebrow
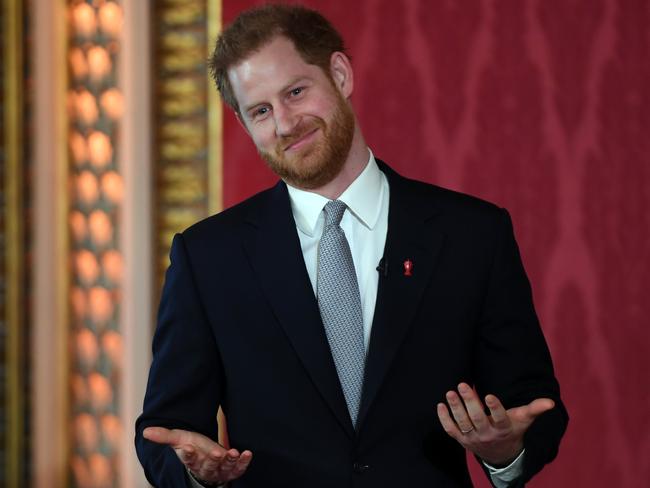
(283, 89)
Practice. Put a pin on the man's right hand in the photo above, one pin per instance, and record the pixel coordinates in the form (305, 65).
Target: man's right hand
(206, 460)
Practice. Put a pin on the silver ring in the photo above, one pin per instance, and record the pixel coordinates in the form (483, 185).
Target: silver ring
(464, 432)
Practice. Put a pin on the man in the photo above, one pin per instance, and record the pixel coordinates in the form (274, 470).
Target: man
(332, 315)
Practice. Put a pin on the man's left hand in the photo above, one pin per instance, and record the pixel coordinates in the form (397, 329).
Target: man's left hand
(497, 438)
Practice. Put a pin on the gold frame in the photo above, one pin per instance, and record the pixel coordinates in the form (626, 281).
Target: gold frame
(215, 151)
(187, 195)
(215, 117)
(14, 255)
(63, 249)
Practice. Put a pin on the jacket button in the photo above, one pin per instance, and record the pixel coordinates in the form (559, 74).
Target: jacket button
(359, 467)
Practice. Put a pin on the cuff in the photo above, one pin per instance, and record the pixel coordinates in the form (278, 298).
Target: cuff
(196, 483)
(502, 476)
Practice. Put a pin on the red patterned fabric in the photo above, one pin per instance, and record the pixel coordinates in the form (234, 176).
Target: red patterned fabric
(542, 106)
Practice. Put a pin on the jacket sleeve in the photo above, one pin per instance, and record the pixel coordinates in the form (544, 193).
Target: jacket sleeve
(185, 378)
(513, 360)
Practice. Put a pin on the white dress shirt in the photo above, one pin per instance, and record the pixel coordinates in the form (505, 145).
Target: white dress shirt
(365, 224)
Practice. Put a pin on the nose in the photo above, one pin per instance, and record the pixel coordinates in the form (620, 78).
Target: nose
(285, 121)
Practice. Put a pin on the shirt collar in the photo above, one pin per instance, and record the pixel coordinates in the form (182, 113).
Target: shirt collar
(363, 198)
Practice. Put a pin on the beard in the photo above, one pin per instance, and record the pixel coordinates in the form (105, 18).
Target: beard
(321, 161)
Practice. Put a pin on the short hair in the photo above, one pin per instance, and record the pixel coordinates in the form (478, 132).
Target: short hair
(313, 36)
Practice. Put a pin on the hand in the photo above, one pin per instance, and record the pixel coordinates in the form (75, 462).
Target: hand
(498, 438)
(207, 460)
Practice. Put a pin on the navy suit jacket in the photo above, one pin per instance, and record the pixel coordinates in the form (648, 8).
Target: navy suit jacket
(239, 327)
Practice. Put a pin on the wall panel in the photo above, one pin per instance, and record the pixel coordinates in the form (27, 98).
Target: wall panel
(542, 107)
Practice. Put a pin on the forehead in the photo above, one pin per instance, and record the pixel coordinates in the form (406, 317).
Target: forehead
(268, 70)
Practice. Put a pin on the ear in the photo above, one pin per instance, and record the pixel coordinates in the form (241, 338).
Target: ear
(341, 72)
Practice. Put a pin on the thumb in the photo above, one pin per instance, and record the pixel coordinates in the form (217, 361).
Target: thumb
(526, 414)
(162, 435)
(539, 406)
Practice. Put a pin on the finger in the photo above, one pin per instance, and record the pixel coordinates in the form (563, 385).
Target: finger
(208, 466)
(474, 407)
(229, 462)
(242, 464)
(187, 455)
(498, 413)
(213, 457)
(447, 422)
(213, 460)
(459, 413)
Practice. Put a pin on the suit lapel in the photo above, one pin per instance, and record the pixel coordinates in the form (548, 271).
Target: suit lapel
(273, 247)
(411, 237)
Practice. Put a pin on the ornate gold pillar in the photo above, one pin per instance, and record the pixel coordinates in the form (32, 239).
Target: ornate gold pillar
(95, 108)
(187, 115)
(14, 361)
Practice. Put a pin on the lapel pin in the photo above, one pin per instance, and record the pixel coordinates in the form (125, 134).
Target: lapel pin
(408, 268)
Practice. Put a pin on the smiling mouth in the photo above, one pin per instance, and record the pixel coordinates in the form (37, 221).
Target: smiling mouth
(301, 141)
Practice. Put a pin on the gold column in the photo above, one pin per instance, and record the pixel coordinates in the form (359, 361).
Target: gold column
(12, 56)
(187, 118)
(215, 119)
(95, 107)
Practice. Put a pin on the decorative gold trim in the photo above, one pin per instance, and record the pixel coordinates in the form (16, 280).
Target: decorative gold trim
(215, 151)
(215, 118)
(63, 242)
(14, 258)
(188, 175)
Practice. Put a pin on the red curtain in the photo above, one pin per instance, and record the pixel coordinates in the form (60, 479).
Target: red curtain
(544, 108)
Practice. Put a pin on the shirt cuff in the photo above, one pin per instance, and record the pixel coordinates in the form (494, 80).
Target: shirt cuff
(194, 483)
(501, 477)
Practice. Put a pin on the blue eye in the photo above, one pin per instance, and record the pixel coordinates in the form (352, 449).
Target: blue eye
(260, 112)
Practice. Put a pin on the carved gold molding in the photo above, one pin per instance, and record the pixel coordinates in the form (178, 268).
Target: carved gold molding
(187, 120)
(12, 56)
(62, 442)
(215, 119)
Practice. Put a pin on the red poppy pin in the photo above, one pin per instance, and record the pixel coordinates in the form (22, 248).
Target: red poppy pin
(408, 268)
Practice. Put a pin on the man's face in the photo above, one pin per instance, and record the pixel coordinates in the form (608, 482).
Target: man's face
(300, 122)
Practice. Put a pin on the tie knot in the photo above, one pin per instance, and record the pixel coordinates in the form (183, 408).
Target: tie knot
(334, 212)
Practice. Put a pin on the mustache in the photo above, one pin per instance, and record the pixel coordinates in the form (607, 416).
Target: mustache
(300, 131)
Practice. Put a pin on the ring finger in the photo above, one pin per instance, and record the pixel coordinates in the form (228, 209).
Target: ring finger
(459, 413)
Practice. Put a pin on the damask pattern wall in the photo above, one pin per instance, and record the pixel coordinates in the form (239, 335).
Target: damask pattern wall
(543, 107)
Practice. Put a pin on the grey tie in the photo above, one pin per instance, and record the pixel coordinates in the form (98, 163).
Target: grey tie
(340, 306)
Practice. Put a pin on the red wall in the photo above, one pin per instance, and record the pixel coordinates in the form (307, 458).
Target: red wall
(542, 107)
